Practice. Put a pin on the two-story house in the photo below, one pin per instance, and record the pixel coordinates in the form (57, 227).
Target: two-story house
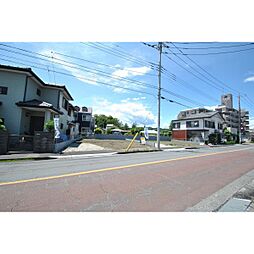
(27, 103)
(197, 124)
(86, 121)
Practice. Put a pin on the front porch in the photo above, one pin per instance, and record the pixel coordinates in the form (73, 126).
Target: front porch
(35, 114)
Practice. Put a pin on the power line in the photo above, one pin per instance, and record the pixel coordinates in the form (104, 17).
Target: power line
(152, 65)
(219, 81)
(205, 70)
(140, 83)
(102, 64)
(189, 86)
(82, 78)
(169, 92)
(163, 98)
(214, 86)
(182, 97)
(127, 53)
(212, 47)
(72, 57)
(213, 53)
(84, 68)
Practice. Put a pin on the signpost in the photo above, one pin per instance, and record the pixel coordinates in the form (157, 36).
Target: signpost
(56, 126)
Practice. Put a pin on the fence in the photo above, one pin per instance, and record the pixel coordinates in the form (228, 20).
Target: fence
(20, 142)
(124, 137)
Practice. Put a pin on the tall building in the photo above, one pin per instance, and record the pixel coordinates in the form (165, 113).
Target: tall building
(227, 100)
(232, 116)
(245, 128)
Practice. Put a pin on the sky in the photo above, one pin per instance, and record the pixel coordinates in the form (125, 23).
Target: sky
(121, 78)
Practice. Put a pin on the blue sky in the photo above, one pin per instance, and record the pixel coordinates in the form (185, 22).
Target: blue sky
(109, 88)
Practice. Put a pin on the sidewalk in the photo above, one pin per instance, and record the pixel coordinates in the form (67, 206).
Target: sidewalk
(237, 196)
(25, 155)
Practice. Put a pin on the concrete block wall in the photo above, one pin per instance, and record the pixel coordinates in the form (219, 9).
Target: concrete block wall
(43, 142)
(3, 142)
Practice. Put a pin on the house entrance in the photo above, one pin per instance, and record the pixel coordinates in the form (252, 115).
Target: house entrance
(36, 124)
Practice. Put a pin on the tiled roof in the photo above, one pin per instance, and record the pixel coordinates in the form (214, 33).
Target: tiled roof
(198, 116)
(38, 104)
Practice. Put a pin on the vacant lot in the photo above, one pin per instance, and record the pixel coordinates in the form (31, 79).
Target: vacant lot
(117, 145)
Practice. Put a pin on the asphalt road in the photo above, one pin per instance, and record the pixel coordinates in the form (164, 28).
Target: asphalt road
(157, 181)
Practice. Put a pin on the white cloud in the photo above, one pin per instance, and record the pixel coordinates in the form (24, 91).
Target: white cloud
(133, 99)
(131, 71)
(94, 77)
(128, 111)
(211, 107)
(249, 79)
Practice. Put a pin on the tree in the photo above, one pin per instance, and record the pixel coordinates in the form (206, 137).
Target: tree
(49, 126)
(126, 127)
(228, 135)
(171, 126)
(102, 120)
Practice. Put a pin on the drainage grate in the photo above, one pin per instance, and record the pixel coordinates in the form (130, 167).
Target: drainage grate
(235, 205)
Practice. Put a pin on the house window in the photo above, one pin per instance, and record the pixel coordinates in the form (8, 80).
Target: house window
(38, 92)
(176, 125)
(69, 111)
(219, 126)
(65, 104)
(209, 124)
(3, 90)
(61, 126)
(86, 118)
(192, 124)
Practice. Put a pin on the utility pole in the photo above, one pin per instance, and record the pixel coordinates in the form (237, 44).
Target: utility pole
(159, 96)
(239, 124)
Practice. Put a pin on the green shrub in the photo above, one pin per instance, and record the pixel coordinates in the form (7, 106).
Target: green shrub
(109, 131)
(214, 138)
(2, 127)
(49, 126)
(98, 131)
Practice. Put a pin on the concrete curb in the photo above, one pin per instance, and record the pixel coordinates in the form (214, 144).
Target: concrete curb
(219, 198)
(82, 155)
(26, 158)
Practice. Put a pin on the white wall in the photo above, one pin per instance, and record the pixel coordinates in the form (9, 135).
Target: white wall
(9, 110)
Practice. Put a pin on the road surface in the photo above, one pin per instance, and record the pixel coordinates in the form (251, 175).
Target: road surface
(158, 181)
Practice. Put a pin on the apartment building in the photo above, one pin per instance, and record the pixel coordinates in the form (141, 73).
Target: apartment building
(232, 116)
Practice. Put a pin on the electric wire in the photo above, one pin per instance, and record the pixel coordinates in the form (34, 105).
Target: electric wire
(213, 53)
(152, 65)
(214, 47)
(125, 53)
(219, 81)
(82, 78)
(85, 68)
(72, 57)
